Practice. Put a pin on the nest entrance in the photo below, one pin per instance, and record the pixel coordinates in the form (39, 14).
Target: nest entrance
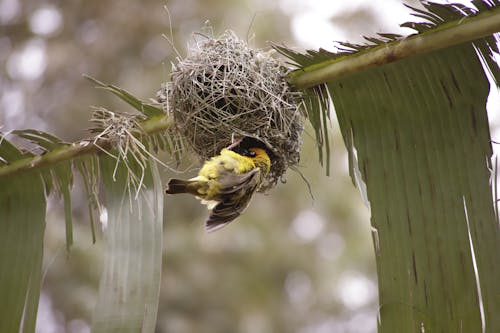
(224, 90)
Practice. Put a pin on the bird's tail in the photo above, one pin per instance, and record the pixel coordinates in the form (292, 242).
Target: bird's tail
(175, 186)
(191, 186)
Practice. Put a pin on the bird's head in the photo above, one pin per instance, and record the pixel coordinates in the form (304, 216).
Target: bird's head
(260, 158)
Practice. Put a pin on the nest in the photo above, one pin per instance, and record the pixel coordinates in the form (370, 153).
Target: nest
(224, 90)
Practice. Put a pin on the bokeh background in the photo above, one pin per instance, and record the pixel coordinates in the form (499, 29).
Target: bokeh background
(291, 263)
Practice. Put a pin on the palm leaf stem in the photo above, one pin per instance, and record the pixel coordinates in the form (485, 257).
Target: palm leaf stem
(442, 37)
(77, 149)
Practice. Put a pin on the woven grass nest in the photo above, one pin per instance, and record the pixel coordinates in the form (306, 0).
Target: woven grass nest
(225, 91)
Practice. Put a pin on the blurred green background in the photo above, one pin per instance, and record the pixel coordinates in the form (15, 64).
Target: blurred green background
(290, 263)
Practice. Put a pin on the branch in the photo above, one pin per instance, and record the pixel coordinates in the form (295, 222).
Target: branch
(454, 33)
(77, 149)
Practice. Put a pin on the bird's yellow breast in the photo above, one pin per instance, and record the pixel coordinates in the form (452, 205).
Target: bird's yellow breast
(227, 161)
(212, 171)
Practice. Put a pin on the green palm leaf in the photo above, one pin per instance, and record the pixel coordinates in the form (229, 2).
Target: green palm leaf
(22, 224)
(412, 114)
(128, 296)
(130, 284)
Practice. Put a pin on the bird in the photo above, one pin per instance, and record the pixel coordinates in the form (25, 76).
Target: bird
(226, 183)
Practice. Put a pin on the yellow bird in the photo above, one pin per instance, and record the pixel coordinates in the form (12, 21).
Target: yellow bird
(226, 183)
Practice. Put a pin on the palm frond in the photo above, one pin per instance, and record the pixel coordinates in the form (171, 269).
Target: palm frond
(146, 108)
(42, 165)
(22, 225)
(129, 287)
(412, 110)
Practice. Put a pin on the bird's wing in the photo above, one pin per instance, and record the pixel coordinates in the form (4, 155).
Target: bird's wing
(235, 194)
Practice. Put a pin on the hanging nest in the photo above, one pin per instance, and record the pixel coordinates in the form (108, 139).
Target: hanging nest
(223, 91)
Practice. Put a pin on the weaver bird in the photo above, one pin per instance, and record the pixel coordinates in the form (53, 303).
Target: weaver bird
(226, 183)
